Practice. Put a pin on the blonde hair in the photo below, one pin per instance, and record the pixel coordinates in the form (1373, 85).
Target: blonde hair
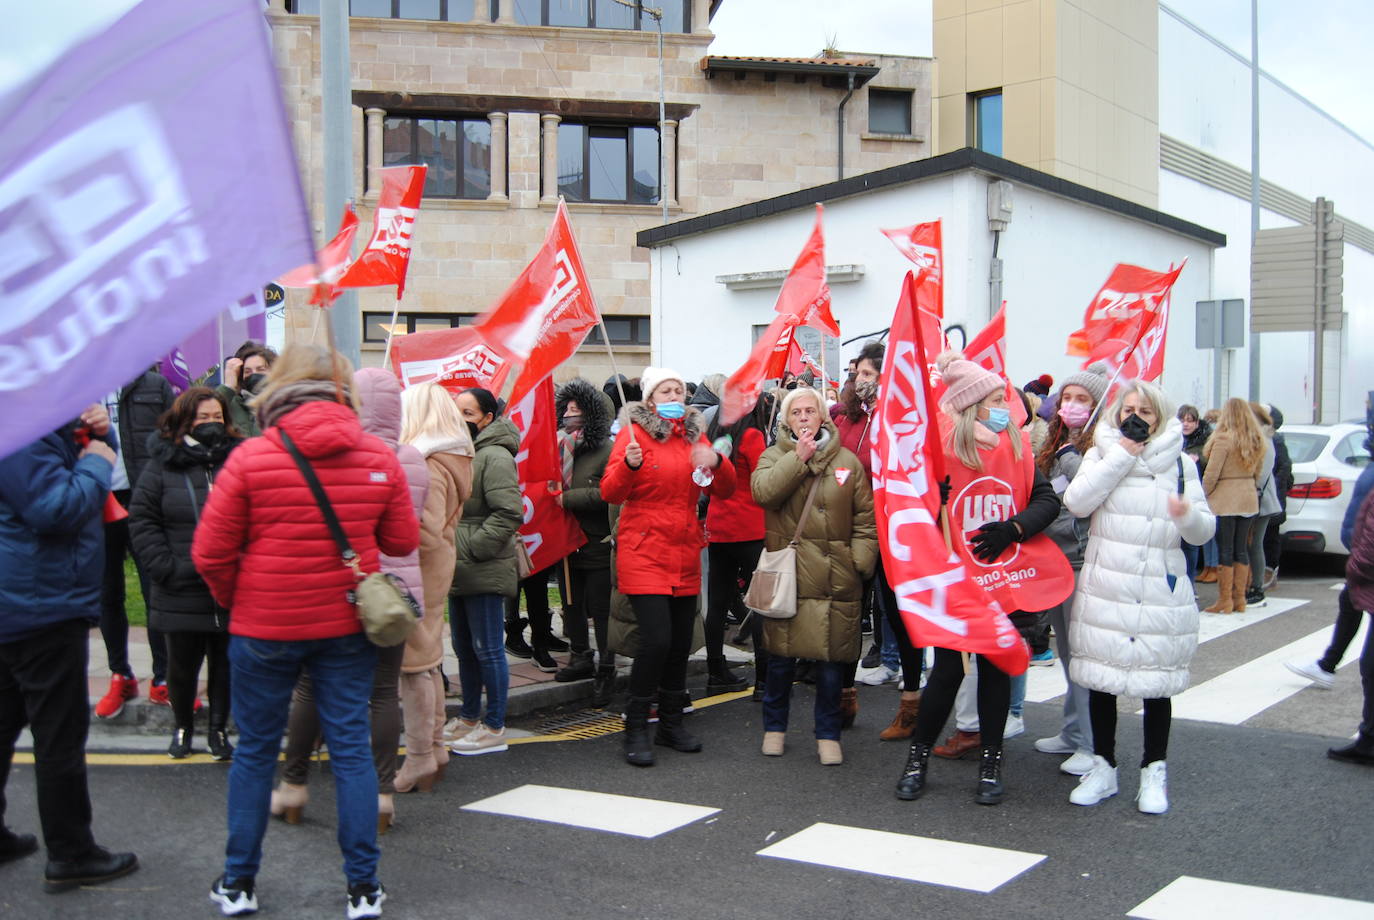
(1262, 414)
(430, 411)
(964, 438)
(1238, 423)
(1159, 402)
(302, 362)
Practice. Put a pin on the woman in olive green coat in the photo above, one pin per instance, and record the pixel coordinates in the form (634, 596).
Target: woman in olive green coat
(485, 575)
(836, 553)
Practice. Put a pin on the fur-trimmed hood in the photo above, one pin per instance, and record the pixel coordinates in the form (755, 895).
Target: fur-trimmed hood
(643, 415)
(596, 407)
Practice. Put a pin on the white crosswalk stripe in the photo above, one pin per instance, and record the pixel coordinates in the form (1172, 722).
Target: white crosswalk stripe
(1188, 898)
(600, 811)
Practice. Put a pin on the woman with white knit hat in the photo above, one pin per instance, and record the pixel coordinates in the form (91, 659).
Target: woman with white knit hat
(979, 443)
(658, 468)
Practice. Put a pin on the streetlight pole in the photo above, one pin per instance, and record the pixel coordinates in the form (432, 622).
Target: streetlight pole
(337, 103)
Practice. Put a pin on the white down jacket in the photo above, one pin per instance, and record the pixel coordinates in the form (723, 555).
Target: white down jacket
(1133, 629)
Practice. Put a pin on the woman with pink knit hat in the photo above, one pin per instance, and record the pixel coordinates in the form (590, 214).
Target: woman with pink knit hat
(982, 447)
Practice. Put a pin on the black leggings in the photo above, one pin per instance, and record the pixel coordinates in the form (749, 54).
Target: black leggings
(185, 650)
(913, 659)
(591, 597)
(729, 563)
(994, 698)
(1102, 712)
(1233, 539)
(665, 640)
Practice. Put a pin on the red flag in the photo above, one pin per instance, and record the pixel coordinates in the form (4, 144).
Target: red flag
(387, 256)
(804, 294)
(742, 388)
(989, 350)
(780, 359)
(1127, 323)
(922, 244)
(939, 603)
(545, 315)
(456, 359)
(330, 263)
(537, 459)
(550, 533)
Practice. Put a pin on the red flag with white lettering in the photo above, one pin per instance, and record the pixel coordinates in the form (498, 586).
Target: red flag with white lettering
(805, 294)
(940, 604)
(989, 350)
(1127, 323)
(923, 244)
(550, 533)
(546, 313)
(387, 256)
(765, 362)
(330, 263)
(457, 359)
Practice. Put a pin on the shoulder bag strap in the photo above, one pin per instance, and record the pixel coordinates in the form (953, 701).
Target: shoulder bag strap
(336, 530)
(806, 510)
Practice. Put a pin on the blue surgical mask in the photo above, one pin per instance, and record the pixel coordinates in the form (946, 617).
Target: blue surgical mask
(670, 410)
(997, 420)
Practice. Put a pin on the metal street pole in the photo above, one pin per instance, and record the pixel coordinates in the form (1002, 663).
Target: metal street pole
(1254, 185)
(337, 101)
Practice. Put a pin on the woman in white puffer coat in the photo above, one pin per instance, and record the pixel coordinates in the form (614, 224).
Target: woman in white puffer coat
(1134, 623)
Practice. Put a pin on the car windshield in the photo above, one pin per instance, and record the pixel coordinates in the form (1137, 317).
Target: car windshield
(1351, 450)
(1304, 446)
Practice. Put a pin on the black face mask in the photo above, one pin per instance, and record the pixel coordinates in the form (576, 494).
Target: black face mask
(474, 430)
(211, 434)
(571, 423)
(1135, 428)
(253, 382)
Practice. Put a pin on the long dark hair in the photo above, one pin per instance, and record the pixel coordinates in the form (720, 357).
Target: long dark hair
(850, 403)
(177, 422)
(1060, 434)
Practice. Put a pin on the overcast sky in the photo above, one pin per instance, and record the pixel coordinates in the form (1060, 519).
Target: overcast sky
(1321, 48)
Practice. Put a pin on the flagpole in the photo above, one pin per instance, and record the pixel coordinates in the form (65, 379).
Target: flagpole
(391, 330)
(615, 371)
(219, 343)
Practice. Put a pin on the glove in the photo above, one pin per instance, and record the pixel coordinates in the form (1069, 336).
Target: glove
(944, 491)
(992, 539)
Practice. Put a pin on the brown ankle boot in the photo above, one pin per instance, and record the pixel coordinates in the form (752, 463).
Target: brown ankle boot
(959, 744)
(1225, 580)
(1208, 576)
(1239, 585)
(904, 722)
(849, 706)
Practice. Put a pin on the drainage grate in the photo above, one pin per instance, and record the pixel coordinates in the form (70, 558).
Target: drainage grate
(581, 725)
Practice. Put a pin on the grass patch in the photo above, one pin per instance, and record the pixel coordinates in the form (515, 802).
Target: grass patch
(135, 604)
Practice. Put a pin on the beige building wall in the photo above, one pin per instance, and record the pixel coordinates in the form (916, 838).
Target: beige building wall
(1079, 82)
(740, 140)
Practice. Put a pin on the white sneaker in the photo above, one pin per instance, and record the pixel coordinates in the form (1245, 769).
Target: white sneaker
(1313, 672)
(1015, 726)
(1097, 784)
(1153, 797)
(1077, 765)
(880, 675)
(1055, 745)
(481, 740)
(456, 728)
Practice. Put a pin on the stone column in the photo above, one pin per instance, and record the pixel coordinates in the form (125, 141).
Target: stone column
(276, 6)
(549, 126)
(498, 157)
(701, 17)
(374, 149)
(505, 12)
(668, 181)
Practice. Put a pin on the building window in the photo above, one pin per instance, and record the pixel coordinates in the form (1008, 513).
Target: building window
(438, 10)
(456, 150)
(624, 330)
(375, 324)
(987, 122)
(608, 163)
(599, 14)
(889, 111)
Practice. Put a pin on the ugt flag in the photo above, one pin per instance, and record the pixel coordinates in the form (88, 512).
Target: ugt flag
(805, 294)
(1127, 323)
(767, 361)
(939, 603)
(456, 359)
(550, 533)
(923, 244)
(989, 351)
(387, 256)
(146, 180)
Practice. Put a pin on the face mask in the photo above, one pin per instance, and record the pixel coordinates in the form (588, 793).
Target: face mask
(866, 389)
(210, 433)
(1135, 428)
(474, 430)
(670, 410)
(572, 423)
(997, 420)
(1075, 415)
(253, 382)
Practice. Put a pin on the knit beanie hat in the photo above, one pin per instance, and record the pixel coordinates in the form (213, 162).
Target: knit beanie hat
(653, 376)
(1092, 378)
(1040, 386)
(966, 383)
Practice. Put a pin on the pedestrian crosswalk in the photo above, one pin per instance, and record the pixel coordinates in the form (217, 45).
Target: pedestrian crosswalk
(599, 811)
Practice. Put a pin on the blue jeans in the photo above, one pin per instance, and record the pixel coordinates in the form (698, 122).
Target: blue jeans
(777, 694)
(478, 625)
(891, 655)
(264, 672)
(1018, 695)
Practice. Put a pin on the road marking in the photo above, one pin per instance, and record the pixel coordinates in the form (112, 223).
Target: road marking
(1044, 684)
(904, 856)
(598, 811)
(1244, 692)
(1188, 898)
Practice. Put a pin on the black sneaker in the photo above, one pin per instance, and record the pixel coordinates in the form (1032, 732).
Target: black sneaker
(234, 898)
(555, 644)
(873, 658)
(365, 900)
(100, 865)
(543, 660)
(218, 741)
(180, 748)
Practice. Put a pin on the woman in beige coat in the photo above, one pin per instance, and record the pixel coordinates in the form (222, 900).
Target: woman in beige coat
(836, 552)
(434, 426)
(1234, 456)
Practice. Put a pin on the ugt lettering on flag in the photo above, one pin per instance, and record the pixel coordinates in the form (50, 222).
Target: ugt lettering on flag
(1127, 324)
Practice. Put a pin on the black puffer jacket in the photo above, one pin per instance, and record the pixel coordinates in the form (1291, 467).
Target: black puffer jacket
(583, 496)
(141, 404)
(167, 503)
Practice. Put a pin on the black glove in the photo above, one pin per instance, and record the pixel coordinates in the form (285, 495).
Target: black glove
(944, 491)
(992, 539)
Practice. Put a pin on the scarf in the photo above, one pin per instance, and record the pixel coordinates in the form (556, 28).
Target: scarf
(568, 443)
(294, 395)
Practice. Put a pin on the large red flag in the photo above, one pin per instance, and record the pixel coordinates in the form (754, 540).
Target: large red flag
(939, 603)
(387, 256)
(989, 350)
(545, 315)
(330, 263)
(765, 362)
(456, 359)
(804, 294)
(923, 244)
(1127, 323)
(550, 533)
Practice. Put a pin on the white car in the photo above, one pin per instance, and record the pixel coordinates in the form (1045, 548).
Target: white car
(1327, 459)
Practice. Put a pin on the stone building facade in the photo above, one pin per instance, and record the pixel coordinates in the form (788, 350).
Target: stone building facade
(510, 113)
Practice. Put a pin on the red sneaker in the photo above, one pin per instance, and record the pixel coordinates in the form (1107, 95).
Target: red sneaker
(157, 693)
(198, 706)
(122, 689)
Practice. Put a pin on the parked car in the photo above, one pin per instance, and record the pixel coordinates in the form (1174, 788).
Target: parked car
(1327, 459)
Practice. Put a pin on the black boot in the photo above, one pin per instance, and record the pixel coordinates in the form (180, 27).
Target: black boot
(579, 667)
(16, 846)
(639, 750)
(913, 781)
(515, 637)
(99, 865)
(720, 679)
(671, 731)
(990, 790)
(603, 686)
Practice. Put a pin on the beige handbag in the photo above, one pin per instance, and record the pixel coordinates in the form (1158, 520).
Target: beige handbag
(773, 588)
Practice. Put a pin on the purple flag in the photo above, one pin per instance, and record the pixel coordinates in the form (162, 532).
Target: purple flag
(204, 349)
(146, 180)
